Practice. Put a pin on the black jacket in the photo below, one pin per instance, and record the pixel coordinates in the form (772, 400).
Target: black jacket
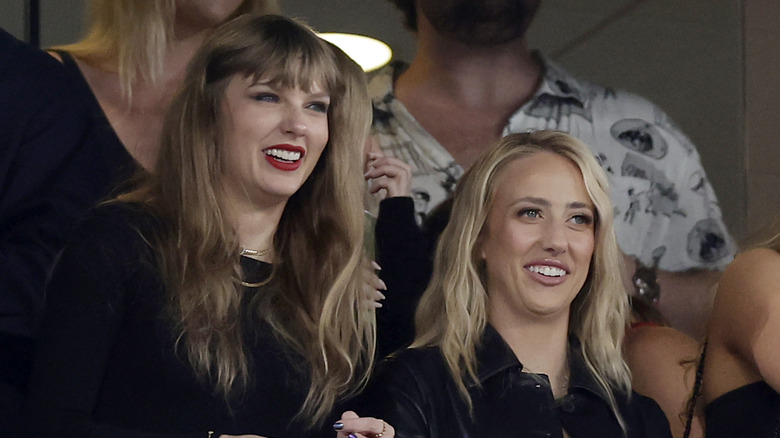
(415, 393)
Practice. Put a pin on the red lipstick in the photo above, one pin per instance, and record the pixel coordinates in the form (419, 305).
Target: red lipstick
(284, 157)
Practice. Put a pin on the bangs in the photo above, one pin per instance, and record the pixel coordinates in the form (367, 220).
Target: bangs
(282, 53)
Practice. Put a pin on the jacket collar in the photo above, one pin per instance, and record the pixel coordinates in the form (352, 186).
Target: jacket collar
(494, 357)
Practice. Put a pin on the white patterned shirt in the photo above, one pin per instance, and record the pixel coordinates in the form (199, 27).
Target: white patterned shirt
(666, 212)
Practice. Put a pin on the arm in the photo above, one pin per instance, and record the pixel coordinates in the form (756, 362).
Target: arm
(86, 302)
(662, 361)
(395, 395)
(685, 299)
(747, 312)
(43, 189)
(401, 251)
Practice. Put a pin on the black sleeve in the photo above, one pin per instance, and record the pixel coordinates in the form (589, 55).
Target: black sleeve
(396, 395)
(88, 294)
(652, 420)
(44, 187)
(402, 252)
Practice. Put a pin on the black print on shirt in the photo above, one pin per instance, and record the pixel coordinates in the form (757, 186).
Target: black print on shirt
(640, 136)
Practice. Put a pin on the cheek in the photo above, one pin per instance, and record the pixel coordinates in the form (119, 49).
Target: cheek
(583, 247)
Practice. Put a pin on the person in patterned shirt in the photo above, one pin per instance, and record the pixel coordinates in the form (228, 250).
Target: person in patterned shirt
(474, 79)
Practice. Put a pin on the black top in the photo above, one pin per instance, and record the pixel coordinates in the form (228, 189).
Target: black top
(749, 411)
(415, 393)
(107, 366)
(43, 133)
(402, 252)
(116, 165)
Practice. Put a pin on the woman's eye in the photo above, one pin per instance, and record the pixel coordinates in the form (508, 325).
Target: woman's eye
(582, 219)
(529, 213)
(321, 107)
(266, 97)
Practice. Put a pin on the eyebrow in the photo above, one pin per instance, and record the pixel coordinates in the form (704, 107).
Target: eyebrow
(545, 203)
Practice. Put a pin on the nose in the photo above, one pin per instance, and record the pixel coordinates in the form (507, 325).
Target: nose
(554, 239)
(294, 122)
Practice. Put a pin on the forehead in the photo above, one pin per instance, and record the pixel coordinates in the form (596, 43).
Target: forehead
(543, 175)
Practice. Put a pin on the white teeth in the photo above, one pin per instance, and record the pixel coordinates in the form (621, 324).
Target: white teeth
(284, 155)
(548, 271)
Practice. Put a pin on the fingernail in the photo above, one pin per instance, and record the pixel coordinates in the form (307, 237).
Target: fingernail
(338, 425)
(380, 295)
(384, 286)
(376, 265)
(352, 435)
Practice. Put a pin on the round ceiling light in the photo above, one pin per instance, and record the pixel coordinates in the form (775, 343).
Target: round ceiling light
(369, 53)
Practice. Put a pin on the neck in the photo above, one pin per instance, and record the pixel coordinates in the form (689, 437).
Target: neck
(541, 346)
(472, 75)
(256, 230)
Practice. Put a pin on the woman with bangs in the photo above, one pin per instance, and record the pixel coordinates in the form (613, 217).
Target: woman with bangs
(224, 296)
(519, 333)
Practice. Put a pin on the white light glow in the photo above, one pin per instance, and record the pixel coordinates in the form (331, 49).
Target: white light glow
(369, 53)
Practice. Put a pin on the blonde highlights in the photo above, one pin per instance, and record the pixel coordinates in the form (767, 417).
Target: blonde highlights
(131, 37)
(452, 313)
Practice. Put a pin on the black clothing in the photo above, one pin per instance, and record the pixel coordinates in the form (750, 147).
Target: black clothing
(415, 393)
(401, 251)
(116, 165)
(107, 364)
(749, 411)
(47, 181)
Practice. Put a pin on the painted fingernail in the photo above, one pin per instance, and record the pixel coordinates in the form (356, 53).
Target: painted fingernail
(338, 425)
(352, 435)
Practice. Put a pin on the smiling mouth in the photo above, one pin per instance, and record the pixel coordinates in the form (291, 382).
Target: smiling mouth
(547, 271)
(284, 155)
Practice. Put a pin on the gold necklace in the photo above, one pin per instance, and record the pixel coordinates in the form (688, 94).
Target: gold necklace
(253, 252)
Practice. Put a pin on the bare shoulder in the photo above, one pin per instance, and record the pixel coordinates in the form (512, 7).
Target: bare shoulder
(662, 361)
(654, 346)
(748, 286)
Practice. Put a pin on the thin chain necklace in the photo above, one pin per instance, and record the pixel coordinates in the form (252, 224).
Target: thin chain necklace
(255, 254)
(563, 383)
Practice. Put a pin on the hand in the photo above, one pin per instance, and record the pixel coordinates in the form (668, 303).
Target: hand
(372, 284)
(389, 174)
(353, 426)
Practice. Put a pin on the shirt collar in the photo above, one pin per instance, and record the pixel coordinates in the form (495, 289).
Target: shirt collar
(494, 357)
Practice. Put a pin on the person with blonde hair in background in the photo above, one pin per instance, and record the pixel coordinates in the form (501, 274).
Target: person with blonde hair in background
(520, 331)
(225, 294)
(131, 63)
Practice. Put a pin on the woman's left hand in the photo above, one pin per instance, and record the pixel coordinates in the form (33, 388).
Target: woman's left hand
(353, 426)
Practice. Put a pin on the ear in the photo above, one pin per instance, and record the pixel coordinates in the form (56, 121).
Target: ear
(480, 243)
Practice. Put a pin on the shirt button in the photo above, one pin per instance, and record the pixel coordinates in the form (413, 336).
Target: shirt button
(567, 404)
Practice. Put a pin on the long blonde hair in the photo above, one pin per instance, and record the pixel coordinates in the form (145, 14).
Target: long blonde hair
(314, 304)
(452, 312)
(132, 36)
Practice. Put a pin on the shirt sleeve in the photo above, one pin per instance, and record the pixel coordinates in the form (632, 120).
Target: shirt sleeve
(666, 211)
(43, 187)
(395, 395)
(86, 303)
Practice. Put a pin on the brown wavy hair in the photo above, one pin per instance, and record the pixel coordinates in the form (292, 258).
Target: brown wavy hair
(314, 303)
